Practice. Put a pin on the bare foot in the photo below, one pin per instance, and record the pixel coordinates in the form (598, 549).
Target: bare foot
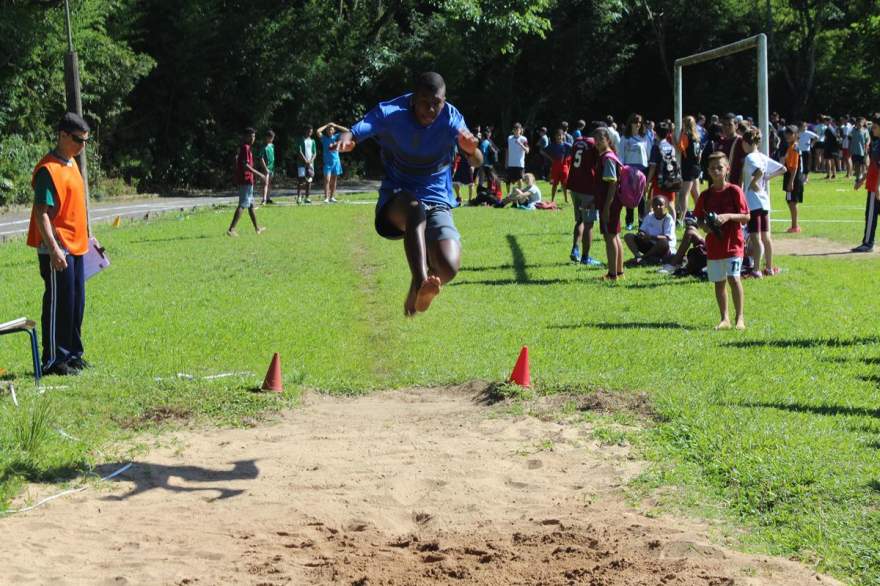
(740, 324)
(724, 325)
(427, 292)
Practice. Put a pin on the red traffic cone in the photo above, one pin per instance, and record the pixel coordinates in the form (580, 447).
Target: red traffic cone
(272, 382)
(520, 374)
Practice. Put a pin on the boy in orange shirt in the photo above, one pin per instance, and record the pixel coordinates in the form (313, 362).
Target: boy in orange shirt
(793, 180)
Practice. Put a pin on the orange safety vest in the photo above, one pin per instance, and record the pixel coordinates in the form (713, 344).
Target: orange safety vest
(70, 222)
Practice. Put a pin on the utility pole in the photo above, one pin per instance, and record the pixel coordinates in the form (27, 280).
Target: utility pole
(72, 90)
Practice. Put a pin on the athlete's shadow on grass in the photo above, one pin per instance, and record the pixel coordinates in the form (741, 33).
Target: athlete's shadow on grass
(147, 476)
(630, 325)
(173, 239)
(806, 342)
(511, 266)
(520, 270)
(832, 410)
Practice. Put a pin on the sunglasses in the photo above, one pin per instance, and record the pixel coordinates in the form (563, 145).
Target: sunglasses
(79, 139)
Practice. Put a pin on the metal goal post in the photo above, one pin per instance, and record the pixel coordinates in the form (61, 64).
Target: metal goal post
(758, 42)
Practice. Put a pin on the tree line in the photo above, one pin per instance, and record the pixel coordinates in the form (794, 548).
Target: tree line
(169, 84)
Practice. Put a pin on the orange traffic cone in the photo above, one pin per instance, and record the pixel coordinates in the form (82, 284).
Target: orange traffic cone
(520, 374)
(272, 382)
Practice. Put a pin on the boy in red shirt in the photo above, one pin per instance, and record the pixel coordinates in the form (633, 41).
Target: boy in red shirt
(721, 210)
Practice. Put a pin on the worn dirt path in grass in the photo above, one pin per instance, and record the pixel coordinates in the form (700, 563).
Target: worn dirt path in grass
(406, 487)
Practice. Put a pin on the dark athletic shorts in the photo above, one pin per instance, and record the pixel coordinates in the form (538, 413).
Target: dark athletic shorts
(514, 174)
(439, 224)
(613, 225)
(858, 159)
(796, 195)
(759, 221)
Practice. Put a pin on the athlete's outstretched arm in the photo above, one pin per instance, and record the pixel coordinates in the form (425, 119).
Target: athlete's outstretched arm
(468, 144)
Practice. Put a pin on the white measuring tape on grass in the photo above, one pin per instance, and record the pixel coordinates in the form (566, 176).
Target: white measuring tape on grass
(64, 434)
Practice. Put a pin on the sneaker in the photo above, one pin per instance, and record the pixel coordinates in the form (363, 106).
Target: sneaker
(608, 277)
(270, 201)
(575, 255)
(232, 233)
(261, 229)
(754, 275)
(629, 227)
(795, 230)
(307, 200)
(863, 248)
(590, 261)
(772, 271)
(667, 269)
(333, 200)
(61, 369)
(79, 363)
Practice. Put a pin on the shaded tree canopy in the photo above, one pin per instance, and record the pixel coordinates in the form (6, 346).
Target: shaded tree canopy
(168, 84)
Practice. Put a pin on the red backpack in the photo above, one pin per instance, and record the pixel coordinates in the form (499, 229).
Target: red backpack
(630, 182)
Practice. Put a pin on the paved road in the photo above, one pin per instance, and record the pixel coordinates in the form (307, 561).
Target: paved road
(16, 222)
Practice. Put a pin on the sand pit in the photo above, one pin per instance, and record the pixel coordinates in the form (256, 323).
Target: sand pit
(406, 487)
(818, 247)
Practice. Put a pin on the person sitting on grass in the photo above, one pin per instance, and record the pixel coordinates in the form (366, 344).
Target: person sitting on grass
(488, 192)
(244, 178)
(417, 132)
(656, 236)
(690, 258)
(721, 210)
(524, 199)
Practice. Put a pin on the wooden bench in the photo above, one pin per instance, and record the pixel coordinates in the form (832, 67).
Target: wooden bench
(28, 327)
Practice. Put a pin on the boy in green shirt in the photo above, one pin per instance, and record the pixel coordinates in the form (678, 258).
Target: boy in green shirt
(267, 160)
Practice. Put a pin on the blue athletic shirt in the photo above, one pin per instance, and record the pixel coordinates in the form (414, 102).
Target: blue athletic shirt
(416, 158)
(330, 157)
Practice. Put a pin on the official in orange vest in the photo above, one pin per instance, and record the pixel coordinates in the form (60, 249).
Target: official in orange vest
(59, 231)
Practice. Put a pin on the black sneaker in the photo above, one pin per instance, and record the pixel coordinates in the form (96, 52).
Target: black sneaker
(61, 369)
(863, 248)
(79, 363)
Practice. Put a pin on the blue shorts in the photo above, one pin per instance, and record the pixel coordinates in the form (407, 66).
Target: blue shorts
(333, 168)
(438, 224)
(246, 195)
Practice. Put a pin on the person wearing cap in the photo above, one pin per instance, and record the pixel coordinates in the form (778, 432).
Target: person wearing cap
(59, 231)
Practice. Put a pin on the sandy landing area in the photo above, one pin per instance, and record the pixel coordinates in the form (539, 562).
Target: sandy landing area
(422, 486)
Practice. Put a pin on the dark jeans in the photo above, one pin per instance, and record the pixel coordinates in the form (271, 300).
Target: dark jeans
(64, 302)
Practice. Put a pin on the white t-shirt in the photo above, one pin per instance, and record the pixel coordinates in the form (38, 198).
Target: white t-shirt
(308, 145)
(662, 227)
(844, 132)
(759, 199)
(534, 194)
(615, 137)
(634, 150)
(516, 153)
(805, 140)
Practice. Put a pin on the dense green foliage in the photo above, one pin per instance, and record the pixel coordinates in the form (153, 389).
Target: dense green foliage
(169, 84)
(778, 425)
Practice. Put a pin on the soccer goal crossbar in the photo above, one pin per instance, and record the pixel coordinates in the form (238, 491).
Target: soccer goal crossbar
(758, 42)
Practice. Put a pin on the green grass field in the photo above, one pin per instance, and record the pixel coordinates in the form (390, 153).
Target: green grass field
(776, 429)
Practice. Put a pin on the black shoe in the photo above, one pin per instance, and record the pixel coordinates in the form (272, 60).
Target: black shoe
(61, 369)
(79, 363)
(863, 248)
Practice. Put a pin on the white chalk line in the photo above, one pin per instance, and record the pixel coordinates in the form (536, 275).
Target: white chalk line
(65, 493)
